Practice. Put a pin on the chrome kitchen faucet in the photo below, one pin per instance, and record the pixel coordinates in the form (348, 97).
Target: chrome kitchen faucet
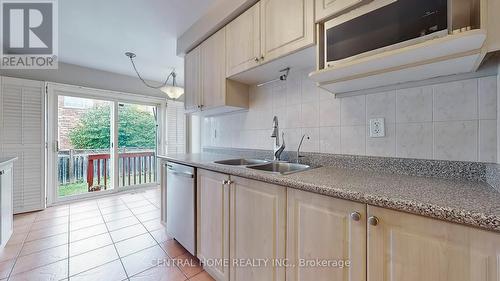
(278, 148)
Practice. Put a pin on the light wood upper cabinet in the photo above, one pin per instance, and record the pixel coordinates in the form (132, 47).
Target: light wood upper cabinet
(207, 88)
(192, 80)
(243, 41)
(213, 221)
(328, 8)
(213, 69)
(414, 248)
(321, 227)
(286, 26)
(258, 220)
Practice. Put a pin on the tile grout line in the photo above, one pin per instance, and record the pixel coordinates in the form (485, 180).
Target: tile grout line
(22, 246)
(113, 242)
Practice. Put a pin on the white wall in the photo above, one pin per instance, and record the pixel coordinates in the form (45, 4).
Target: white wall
(86, 77)
(449, 121)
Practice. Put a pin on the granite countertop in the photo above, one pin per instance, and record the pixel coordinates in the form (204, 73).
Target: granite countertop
(7, 160)
(471, 203)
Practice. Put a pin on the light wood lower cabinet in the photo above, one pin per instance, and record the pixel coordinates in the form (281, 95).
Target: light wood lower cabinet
(213, 222)
(258, 221)
(414, 248)
(327, 229)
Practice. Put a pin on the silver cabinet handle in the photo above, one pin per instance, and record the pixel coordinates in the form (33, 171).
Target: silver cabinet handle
(373, 220)
(355, 216)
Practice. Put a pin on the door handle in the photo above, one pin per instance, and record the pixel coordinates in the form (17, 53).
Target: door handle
(182, 174)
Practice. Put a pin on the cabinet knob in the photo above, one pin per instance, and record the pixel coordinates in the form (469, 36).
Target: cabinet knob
(226, 182)
(262, 57)
(256, 59)
(373, 220)
(2, 172)
(355, 216)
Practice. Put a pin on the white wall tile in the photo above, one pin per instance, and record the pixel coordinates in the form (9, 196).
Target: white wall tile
(324, 94)
(279, 96)
(488, 97)
(261, 98)
(311, 144)
(293, 115)
(293, 91)
(292, 138)
(456, 140)
(382, 105)
(385, 146)
(329, 139)
(353, 111)
(353, 140)
(488, 141)
(329, 112)
(414, 140)
(310, 92)
(456, 101)
(414, 105)
(310, 114)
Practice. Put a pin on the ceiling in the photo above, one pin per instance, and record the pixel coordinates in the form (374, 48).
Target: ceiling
(97, 33)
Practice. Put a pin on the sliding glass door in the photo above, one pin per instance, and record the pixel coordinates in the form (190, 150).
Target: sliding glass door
(83, 145)
(100, 145)
(136, 144)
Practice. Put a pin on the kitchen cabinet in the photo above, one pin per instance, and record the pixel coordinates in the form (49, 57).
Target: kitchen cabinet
(414, 248)
(268, 30)
(6, 203)
(192, 80)
(286, 26)
(243, 41)
(328, 8)
(213, 222)
(325, 228)
(257, 229)
(207, 88)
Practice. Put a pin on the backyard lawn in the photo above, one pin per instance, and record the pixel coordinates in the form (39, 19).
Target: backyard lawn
(81, 187)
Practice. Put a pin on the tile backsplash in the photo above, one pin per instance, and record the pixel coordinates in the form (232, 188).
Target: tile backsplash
(448, 121)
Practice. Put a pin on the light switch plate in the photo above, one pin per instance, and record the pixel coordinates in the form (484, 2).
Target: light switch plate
(377, 128)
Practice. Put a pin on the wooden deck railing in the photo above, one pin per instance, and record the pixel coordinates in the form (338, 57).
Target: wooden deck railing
(137, 167)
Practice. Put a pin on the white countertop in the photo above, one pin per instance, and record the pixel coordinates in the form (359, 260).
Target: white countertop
(7, 160)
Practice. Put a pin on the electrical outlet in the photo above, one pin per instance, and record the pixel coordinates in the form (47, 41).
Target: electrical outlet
(377, 128)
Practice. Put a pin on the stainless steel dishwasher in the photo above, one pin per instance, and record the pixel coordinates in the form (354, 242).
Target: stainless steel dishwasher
(181, 205)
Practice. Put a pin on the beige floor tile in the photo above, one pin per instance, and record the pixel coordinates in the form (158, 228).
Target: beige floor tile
(203, 276)
(143, 260)
(89, 244)
(84, 223)
(149, 215)
(85, 215)
(49, 223)
(160, 235)
(10, 252)
(46, 232)
(160, 273)
(87, 232)
(189, 265)
(135, 244)
(173, 248)
(50, 272)
(117, 215)
(29, 262)
(44, 243)
(17, 238)
(112, 271)
(121, 223)
(127, 232)
(89, 260)
(153, 225)
(144, 209)
(138, 204)
(113, 209)
(5, 268)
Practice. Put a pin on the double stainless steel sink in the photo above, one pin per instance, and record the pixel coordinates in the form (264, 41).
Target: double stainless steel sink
(278, 167)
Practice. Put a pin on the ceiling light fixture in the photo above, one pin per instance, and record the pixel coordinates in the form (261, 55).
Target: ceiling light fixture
(173, 92)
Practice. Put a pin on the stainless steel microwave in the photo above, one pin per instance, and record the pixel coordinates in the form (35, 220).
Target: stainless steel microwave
(383, 25)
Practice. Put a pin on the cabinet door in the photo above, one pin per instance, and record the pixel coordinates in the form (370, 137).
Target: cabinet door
(192, 77)
(6, 224)
(286, 26)
(414, 248)
(327, 229)
(257, 229)
(243, 41)
(213, 222)
(327, 8)
(213, 65)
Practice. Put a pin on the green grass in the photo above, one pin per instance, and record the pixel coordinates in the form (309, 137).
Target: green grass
(81, 187)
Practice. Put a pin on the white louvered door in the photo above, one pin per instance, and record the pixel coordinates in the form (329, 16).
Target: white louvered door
(22, 136)
(176, 127)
